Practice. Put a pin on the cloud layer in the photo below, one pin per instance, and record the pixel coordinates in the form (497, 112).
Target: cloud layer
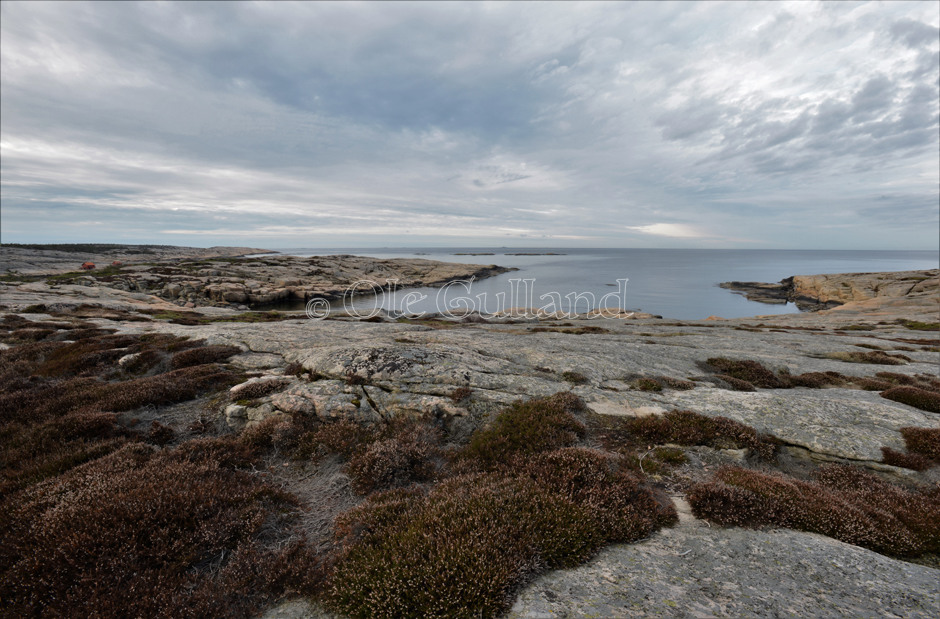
(554, 124)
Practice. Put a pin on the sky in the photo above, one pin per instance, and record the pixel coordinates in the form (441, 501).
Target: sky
(782, 125)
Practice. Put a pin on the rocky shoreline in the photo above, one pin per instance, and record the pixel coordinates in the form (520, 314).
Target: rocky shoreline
(818, 292)
(820, 385)
(222, 276)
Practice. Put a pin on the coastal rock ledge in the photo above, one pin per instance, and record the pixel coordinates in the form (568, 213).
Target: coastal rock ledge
(818, 292)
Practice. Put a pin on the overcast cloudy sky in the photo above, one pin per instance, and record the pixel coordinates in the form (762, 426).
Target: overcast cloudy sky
(751, 125)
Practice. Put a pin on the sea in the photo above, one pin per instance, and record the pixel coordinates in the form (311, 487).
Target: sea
(672, 283)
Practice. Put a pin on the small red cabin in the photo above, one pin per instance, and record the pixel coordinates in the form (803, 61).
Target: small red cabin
(87, 266)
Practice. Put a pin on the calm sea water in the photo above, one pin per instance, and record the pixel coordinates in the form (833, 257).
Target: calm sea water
(673, 283)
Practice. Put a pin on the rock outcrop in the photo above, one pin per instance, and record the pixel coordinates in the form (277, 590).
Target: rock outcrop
(371, 372)
(696, 571)
(53, 259)
(814, 292)
(229, 280)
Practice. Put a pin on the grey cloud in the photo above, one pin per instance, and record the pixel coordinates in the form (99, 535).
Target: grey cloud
(914, 33)
(540, 118)
(874, 97)
(689, 121)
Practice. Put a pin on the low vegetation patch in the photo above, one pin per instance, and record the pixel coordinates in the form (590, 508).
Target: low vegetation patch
(921, 326)
(575, 378)
(574, 331)
(842, 502)
(461, 549)
(144, 533)
(647, 384)
(460, 395)
(184, 317)
(658, 383)
(914, 396)
(736, 384)
(689, 428)
(202, 356)
(923, 441)
(58, 399)
(912, 461)
(816, 380)
(412, 454)
(526, 428)
(875, 357)
(95, 522)
(746, 370)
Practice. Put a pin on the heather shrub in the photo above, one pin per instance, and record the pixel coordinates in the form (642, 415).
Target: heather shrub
(816, 380)
(526, 428)
(676, 383)
(921, 326)
(923, 449)
(617, 503)
(875, 356)
(85, 333)
(873, 384)
(462, 549)
(255, 389)
(748, 371)
(409, 456)
(295, 368)
(460, 394)
(897, 379)
(167, 342)
(354, 379)
(844, 502)
(913, 461)
(689, 428)
(670, 455)
(279, 433)
(139, 534)
(647, 384)
(736, 384)
(575, 378)
(343, 437)
(923, 441)
(85, 357)
(914, 396)
(32, 453)
(160, 434)
(142, 362)
(202, 355)
(226, 452)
